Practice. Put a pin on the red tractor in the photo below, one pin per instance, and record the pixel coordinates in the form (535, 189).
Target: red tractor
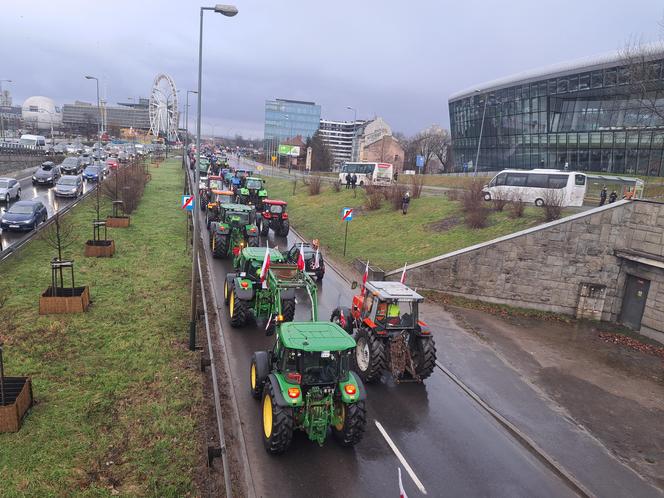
(388, 334)
(274, 216)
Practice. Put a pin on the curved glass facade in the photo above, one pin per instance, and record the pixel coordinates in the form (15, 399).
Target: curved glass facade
(594, 118)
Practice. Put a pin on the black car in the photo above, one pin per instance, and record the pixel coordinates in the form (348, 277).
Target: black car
(47, 174)
(24, 215)
(310, 265)
(71, 166)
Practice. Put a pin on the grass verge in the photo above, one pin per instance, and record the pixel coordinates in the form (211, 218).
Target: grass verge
(118, 395)
(433, 225)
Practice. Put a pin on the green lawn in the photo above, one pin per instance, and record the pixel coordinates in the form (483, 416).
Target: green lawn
(118, 395)
(385, 236)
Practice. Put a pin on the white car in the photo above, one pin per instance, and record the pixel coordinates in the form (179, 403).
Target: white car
(9, 189)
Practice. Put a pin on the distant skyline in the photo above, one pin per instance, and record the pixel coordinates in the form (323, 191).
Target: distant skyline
(386, 58)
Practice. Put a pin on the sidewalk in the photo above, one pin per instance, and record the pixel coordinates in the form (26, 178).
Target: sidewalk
(591, 416)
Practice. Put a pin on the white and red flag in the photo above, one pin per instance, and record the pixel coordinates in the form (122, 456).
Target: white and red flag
(402, 492)
(316, 259)
(403, 274)
(266, 267)
(300, 258)
(365, 276)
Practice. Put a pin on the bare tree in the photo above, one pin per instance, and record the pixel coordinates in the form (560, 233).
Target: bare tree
(59, 235)
(432, 143)
(641, 78)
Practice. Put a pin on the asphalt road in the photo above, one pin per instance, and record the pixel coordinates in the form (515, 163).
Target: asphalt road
(28, 191)
(448, 445)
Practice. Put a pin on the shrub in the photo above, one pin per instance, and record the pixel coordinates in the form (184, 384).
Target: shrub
(499, 202)
(336, 186)
(416, 184)
(477, 218)
(553, 204)
(374, 197)
(472, 198)
(453, 194)
(516, 207)
(314, 185)
(395, 194)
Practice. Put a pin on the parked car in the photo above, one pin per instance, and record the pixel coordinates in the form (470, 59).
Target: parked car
(71, 166)
(9, 188)
(92, 173)
(47, 174)
(69, 186)
(24, 215)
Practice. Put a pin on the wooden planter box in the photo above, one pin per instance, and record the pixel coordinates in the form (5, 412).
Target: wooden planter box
(18, 400)
(67, 300)
(99, 248)
(117, 221)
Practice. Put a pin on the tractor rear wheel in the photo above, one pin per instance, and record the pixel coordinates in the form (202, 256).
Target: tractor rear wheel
(265, 227)
(285, 228)
(288, 309)
(252, 241)
(353, 422)
(237, 310)
(219, 245)
(370, 356)
(277, 423)
(227, 292)
(424, 356)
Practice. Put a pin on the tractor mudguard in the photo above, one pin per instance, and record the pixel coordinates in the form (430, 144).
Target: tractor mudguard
(251, 230)
(262, 366)
(276, 388)
(262, 193)
(287, 294)
(230, 277)
(244, 191)
(360, 386)
(219, 228)
(244, 293)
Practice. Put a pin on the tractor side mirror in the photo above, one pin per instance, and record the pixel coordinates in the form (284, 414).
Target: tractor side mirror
(353, 284)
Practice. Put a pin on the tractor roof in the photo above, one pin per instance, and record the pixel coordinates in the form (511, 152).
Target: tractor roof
(237, 207)
(276, 202)
(222, 192)
(215, 177)
(393, 290)
(258, 253)
(315, 336)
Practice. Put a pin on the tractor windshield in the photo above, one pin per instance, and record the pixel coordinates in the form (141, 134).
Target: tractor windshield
(326, 367)
(276, 208)
(223, 198)
(216, 184)
(254, 184)
(396, 314)
(239, 218)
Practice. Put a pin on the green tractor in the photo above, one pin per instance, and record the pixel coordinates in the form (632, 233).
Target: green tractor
(274, 298)
(252, 192)
(305, 383)
(236, 228)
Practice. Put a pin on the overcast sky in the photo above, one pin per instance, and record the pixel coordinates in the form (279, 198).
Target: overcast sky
(396, 59)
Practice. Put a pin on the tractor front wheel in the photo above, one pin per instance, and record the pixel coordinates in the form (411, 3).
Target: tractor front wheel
(288, 309)
(237, 310)
(424, 356)
(370, 355)
(265, 227)
(352, 423)
(227, 292)
(258, 372)
(285, 228)
(277, 423)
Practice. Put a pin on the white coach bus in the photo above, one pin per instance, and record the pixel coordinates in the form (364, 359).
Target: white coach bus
(368, 173)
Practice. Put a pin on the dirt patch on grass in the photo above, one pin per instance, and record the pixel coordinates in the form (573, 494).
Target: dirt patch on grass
(444, 224)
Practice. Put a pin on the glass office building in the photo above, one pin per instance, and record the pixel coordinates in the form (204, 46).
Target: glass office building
(286, 119)
(592, 115)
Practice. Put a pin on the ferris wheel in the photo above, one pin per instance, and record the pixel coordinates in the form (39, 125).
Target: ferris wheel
(164, 108)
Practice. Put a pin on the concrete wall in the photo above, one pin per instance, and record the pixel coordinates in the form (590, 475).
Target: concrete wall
(545, 267)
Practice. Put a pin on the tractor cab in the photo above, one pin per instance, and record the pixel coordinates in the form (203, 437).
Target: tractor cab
(216, 182)
(387, 306)
(274, 215)
(252, 192)
(234, 230)
(215, 200)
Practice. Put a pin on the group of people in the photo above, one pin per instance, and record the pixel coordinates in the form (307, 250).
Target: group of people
(613, 196)
(351, 180)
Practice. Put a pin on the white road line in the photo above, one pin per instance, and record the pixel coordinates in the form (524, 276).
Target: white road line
(401, 458)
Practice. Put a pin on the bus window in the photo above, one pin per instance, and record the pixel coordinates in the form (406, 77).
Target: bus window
(516, 179)
(537, 180)
(558, 181)
(580, 180)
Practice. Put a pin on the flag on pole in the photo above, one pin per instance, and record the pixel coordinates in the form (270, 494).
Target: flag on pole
(300, 258)
(403, 274)
(316, 259)
(365, 276)
(402, 492)
(266, 267)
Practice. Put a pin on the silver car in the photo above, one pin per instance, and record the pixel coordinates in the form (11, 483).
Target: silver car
(9, 189)
(69, 186)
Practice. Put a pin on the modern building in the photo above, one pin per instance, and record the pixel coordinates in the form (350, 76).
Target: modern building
(41, 113)
(338, 136)
(601, 114)
(289, 118)
(83, 114)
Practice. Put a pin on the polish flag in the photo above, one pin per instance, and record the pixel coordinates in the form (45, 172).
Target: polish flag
(266, 267)
(403, 274)
(402, 492)
(300, 258)
(365, 276)
(316, 260)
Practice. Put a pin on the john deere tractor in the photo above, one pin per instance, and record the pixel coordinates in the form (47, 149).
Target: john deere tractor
(384, 322)
(234, 230)
(252, 192)
(272, 300)
(305, 383)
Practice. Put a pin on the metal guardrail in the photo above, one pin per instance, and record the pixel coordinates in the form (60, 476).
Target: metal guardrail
(12, 249)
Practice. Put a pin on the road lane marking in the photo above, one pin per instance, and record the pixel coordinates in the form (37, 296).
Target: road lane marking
(401, 458)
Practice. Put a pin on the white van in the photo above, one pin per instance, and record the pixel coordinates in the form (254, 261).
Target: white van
(534, 186)
(33, 141)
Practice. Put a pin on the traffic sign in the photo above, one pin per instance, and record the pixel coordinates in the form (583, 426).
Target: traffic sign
(274, 158)
(188, 202)
(419, 161)
(347, 214)
(259, 168)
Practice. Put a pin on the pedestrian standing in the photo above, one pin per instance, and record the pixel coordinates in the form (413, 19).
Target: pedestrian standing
(405, 201)
(613, 197)
(396, 176)
(602, 196)
(348, 179)
(353, 180)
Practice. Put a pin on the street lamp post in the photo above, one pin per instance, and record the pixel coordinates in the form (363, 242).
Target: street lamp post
(98, 107)
(479, 141)
(186, 125)
(228, 11)
(352, 143)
